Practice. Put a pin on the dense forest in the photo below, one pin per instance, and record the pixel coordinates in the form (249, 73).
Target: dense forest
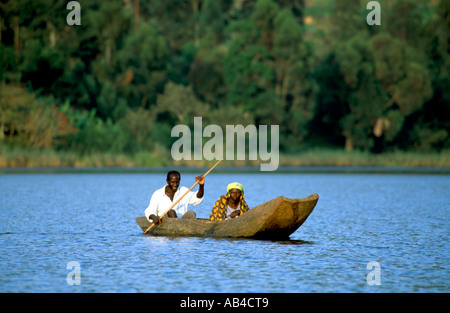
(132, 70)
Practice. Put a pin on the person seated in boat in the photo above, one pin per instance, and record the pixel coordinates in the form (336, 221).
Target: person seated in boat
(163, 198)
(230, 205)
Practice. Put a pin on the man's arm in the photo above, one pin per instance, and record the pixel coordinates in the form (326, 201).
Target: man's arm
(201, 189)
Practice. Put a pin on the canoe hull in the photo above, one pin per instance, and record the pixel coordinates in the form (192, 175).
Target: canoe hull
(274, 219)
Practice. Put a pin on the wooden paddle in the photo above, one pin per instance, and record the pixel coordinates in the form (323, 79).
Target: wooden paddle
(178, 200)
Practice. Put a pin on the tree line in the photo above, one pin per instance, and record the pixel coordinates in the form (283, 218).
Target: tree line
(132, 70)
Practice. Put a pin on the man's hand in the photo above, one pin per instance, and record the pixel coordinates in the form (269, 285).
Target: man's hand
(235, 214)
(156, 220)
(200, 179)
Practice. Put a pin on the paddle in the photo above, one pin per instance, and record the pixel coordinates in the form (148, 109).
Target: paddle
(178, 200)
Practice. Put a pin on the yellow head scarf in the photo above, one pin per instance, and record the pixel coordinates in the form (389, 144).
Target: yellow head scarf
(235, 186)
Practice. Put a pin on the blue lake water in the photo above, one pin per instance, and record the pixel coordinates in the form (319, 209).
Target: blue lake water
(400, 221)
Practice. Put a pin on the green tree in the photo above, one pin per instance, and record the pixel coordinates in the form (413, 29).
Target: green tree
(139, 123)
(181, 102)
(211, 23)
(93, 134)
(141, 66)
(295, 86)
(247, 67)
(348, 18)
(206, 68)
(30, 121)
(268, 71)
(384, 75)
(387, 85)
(177, 105)
(428, 128)
(177, 20)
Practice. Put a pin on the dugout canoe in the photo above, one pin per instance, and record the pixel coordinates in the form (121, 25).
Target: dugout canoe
(276, 219)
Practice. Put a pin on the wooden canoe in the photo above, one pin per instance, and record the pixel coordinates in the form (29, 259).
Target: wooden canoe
(276, 219)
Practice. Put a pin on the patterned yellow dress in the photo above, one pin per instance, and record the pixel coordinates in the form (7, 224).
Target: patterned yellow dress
(219, 210)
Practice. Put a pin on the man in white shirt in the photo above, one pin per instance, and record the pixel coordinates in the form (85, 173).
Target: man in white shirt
(163, 198)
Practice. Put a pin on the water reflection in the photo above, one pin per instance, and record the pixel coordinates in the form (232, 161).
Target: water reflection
(295, 242)
(262, 241)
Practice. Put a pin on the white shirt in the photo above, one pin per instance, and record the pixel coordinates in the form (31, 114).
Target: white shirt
(160, 202)
(231, 210)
